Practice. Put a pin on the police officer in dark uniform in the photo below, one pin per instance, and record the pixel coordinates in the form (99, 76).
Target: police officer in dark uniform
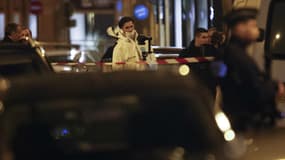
(248, 95)
(12, 33)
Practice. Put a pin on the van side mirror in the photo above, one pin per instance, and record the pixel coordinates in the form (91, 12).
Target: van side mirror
(261, 36)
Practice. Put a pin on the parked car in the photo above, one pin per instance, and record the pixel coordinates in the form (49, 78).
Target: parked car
(125, 115)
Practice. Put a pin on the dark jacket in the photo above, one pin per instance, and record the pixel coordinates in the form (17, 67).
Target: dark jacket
(248, 95)
(193, 51)
(108, 55)
(7, 40)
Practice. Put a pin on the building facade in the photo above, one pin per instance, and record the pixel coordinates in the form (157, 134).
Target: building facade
(169, 22)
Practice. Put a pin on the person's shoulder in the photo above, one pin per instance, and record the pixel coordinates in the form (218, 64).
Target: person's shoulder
(6, 40)
(121, 46)
(233, 49)
(123, 41)
(191, 44)
(210, 47)
(230, 46)
(236, 56)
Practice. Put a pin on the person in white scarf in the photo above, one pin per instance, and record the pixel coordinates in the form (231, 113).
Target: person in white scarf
(127, 49)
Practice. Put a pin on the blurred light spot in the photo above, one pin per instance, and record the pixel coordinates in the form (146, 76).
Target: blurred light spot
(82, 58)
(4, 85)
(184, 70)
(43, 52)
(229, 135)
(74, 53)
(119, 6)
(219, 68)
(141, 12)
(66, 68)
(64, 132)
(278, 36)
(1, 107)
(222, 121)
(212, 13)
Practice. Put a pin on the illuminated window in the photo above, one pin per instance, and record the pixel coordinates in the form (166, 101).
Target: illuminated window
(77, 33)
(33, 25)
(2, 25)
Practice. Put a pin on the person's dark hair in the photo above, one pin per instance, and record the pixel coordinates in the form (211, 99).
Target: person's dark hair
(198, 31)
(217, 38)
(11, 28)
(212, 29)
(125, 20)
(26, 28)
(240, 15)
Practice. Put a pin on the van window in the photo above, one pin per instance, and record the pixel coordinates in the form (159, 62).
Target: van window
(277, 29)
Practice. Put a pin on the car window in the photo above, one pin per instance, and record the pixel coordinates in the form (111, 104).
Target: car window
(277, 29)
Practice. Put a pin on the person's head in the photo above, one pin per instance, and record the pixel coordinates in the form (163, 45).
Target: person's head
(211, 31)
(13, 31)
(26, 32)
(127, 24)
(218, 38)
(242, 24)
(201, 37)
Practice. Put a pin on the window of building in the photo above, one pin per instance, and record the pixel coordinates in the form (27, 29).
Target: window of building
(90, 29)
(2, 25)
(188, 21)
(77, 33)
(33, 25)
(188, 15)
